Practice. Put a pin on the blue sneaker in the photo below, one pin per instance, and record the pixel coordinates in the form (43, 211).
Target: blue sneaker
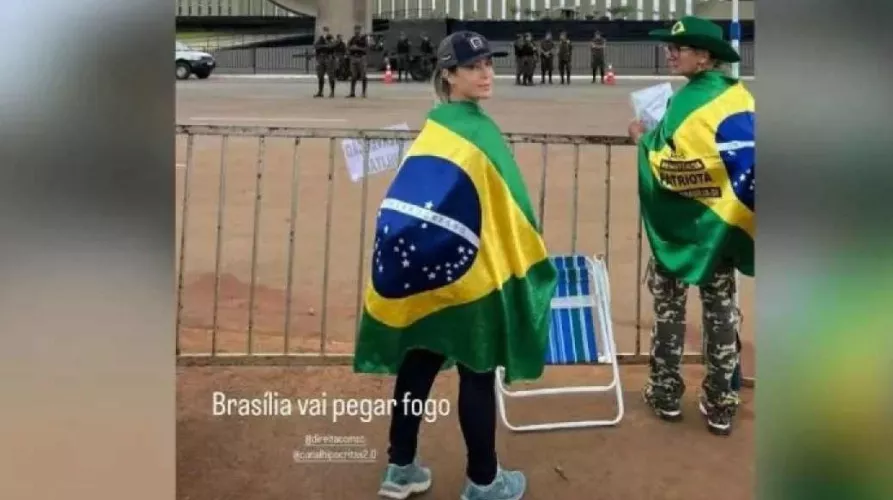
(508, 485)
(401, 482)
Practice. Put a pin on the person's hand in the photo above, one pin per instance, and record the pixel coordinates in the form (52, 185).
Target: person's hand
(636, 129)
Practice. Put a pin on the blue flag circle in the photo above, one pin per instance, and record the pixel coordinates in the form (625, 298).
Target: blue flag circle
(428, 230)
(736, 142)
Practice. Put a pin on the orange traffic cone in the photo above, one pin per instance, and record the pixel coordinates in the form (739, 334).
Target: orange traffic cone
(388, 74)
(609, 78)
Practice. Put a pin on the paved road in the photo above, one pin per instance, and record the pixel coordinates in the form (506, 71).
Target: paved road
(290, 103)
(225, 85)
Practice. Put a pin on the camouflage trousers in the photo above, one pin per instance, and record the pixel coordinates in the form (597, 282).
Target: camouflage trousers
(720, 320)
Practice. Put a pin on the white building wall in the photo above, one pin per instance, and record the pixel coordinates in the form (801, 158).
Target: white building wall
(527, 9)
(475, 9)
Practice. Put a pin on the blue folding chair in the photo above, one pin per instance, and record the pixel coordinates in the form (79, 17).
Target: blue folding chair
(580, 334)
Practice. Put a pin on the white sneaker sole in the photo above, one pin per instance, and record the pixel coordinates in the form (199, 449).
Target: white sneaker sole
(516, 497)
(721, 427)
(404, 491)
(665, 413)
(519, 497)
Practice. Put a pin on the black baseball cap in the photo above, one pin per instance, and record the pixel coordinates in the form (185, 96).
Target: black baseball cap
(463, 48)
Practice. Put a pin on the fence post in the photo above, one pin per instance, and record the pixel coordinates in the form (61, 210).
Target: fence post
(254, 59)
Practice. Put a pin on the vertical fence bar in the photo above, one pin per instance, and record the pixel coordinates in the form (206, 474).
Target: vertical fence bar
(292, 221)
(400, 152)
(607, 206)
(327, 249)
(190, 139)
(639, 284)
(218, 245)
(363, 198)
(545, 164)
(258, 195)
(576, 196)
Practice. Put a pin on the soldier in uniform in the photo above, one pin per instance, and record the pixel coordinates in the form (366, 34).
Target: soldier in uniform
(528, 49)
(325, 64)
(426, 48)
(547, 58)
(519, 66)
(403, 50)
(339, 52)
(597, 49)
(565, 52)
(357, 48)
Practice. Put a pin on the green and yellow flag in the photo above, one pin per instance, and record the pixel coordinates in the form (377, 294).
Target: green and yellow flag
(696, 179)
(459, 266)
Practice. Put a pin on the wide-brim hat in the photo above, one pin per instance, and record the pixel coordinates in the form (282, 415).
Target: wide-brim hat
(699, 33)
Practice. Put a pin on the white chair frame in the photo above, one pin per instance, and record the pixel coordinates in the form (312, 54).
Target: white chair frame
(601, 302)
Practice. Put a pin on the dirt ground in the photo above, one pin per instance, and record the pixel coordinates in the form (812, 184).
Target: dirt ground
(250, 457)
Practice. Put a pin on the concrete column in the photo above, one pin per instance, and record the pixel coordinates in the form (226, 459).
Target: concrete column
(342, 15)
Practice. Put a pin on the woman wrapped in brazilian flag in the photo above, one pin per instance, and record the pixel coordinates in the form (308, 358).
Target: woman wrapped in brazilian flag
(696, 192)
(460, 276)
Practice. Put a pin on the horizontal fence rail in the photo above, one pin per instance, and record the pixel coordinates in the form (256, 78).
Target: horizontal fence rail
(627, 58)
(275, 237)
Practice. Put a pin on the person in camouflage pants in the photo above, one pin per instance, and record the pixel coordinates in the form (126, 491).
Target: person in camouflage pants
(719, 398)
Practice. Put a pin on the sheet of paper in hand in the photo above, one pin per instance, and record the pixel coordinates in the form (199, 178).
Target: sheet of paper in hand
(384, 155)
(650, 103)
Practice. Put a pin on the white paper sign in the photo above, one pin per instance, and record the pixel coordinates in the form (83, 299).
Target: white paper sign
(650, 104)
(384, 154)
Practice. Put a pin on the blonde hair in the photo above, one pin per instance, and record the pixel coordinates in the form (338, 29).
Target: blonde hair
(441, 85)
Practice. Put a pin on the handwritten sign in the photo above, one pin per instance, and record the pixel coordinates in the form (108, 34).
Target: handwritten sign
(384, 155)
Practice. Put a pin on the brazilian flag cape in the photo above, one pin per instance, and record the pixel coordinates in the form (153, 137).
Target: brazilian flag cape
(459, 266)
(696, 179)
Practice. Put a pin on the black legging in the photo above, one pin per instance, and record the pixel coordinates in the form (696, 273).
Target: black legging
(477, 413)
